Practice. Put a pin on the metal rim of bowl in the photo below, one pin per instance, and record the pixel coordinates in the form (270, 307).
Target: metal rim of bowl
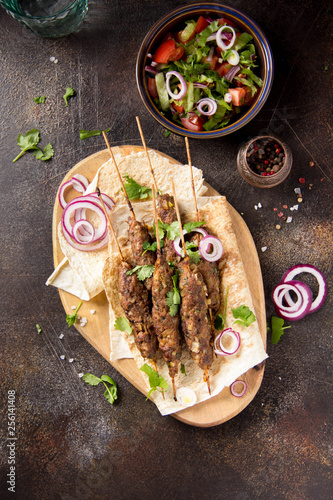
(193, 9)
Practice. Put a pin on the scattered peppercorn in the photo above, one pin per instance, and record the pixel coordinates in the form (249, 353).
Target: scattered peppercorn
(311, 164)
(265, 157)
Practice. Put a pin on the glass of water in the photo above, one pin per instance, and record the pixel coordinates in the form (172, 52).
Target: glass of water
(48, 18)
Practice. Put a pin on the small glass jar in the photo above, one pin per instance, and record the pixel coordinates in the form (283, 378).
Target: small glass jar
(264, 161)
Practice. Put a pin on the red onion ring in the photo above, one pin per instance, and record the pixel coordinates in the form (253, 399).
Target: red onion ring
(205, 245)
(220, 41)
(87, 236)
(82, 180)
(177, 241)
(183, 89)
(302, 310)
(218, 342)
(211, 105)
(78, 182)
(232, 73)
(233, 388)
(279, 293)
(308, 268)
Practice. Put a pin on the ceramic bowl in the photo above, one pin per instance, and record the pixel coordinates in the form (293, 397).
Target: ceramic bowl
(175, 21)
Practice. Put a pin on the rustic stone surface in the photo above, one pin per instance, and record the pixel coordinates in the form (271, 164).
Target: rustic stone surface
(71, 444)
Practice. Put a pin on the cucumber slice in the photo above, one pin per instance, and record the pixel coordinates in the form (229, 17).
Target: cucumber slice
(162, 91)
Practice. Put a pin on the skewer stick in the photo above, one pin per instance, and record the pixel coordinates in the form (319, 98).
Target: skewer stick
(146, 151)
(109, 222)
(206, 379)
(156, 221)
(119, 176)
(192, 179)
(178, 217)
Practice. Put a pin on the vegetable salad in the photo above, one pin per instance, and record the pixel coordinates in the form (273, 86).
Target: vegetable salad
(205, 75)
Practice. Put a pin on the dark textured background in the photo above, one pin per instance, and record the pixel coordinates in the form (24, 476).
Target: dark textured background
(72, 444)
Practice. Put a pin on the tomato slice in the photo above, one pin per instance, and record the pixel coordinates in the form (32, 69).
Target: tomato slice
(249, 99)
(223, 68)
(178, 107)
(238, 96)
(202, 23)
(222, 21)
(152, 88)
(168, 51)
(212, 63)
(193, 122)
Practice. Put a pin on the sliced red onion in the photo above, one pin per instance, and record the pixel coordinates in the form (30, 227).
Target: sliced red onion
(151, 70)
(211, 37)
(85, 237)
(220, 349)
(279, 293)
(228, 97)
(200, 85)
(183, 89)
(78, 182)
(307, 268)
(177, 244)
(220, 41)
(211, 105)
(303, 309)
(253, 57)
(234, 391)
(233, 57)
(210, 248)
(78, 236)
(210, 54)
(232, 73)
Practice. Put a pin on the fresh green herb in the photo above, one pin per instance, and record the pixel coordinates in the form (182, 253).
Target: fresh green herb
(189, 226)
(194, 255)
(142, 272)
(68, 94)
(110, 385)
(153, 247)
(173, 297)
(220, 319)
(40, 99)
(39, 330)
(156, 381)
(277, 329)
(71, 318)
(134, 190)
(167, 133)
(123, 325)
(182, 369)
(85, 134)
(44, 154)
(27, 142)
(171, 230)
(245, 315)
(326, 68)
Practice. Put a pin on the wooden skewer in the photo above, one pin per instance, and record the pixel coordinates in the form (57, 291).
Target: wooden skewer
(192, 179)
(156, 221)
(109, 222)
(178, 217)
(119, 176)
(146, 151)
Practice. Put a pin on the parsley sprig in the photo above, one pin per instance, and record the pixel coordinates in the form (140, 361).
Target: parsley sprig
(68, 94)
(142, 272)
(277, 329)
(111, 391)
(243, 315)
(156, 381)
(123, 325)
(71, 318)
(173, 297)
(29, 141)
(134, 190)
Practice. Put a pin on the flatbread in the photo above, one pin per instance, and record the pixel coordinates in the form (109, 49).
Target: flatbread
(214, 211)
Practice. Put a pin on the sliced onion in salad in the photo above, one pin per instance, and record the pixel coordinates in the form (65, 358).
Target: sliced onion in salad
(228, 97)
(235, 386)
(181, 79)
(308, 268)
(209, 103)
(232, 73)
(298, 309)
(233, 57)
(211, 248)
(220, 36)
(221, 349)
(177, 241)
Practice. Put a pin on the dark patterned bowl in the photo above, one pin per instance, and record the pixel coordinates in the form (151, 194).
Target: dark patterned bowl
(174, 21)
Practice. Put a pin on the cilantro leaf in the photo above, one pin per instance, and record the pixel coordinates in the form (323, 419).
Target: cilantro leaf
(156, 381)
(134, 190)
(173, 296)
(40, 99)
(182, 369)
(220, 319)
(153, 247)
(123, 325)
(167, 133)
(68, 94)
(142, 272)
(245, 315)
(110, 385)
(71, 318)
(277, 329)
(45, 154)
(194, 255)
(39, 330)
(27, 142)
(170, 230)
(189, 226)
(85, 134)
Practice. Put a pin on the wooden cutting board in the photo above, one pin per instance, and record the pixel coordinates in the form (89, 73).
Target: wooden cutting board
(216, 410)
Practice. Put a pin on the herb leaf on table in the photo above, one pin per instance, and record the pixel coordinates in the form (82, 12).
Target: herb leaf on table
(110, 385)
(27, 142)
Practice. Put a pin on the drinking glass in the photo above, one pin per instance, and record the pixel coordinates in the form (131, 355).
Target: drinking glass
(48, 18)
